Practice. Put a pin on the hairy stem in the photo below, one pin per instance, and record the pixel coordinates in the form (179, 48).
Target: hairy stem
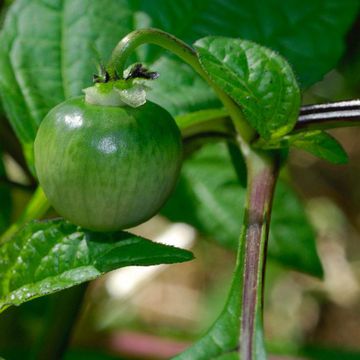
(186, 53)
(262, 176)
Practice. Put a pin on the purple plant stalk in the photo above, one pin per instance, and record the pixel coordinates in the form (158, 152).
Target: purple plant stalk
(262, 176)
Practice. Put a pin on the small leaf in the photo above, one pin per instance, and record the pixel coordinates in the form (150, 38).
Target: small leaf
(322, 145)
(46, 257)
(318, 143)
(258, 79)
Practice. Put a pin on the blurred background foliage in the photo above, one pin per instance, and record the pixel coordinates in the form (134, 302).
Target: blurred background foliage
(163, 311)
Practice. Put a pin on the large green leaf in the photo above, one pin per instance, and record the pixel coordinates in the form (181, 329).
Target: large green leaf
(258, 79)
(46, 257)
(47, 46)
(209, 197)
(310, 34)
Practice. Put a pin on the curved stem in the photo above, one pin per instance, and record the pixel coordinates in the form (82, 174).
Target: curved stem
(186, 53)
(130, 42)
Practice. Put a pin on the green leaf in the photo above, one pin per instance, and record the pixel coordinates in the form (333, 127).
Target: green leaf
(257, 78)
(292, 238)
(47, 48)
(46, 257)
(319, 143)
(309, 34)
(210, 198)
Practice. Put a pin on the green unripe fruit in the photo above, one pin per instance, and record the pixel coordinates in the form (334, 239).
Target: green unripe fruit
(107, 168)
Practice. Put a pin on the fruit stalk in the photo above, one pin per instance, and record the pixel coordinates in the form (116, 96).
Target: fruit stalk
(129, 43)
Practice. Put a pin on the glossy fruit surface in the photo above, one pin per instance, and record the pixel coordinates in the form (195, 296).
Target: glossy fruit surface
(107, 168)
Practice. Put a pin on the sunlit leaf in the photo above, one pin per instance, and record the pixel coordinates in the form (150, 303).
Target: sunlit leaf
(258, 79)
(46, 257)
(318, 143)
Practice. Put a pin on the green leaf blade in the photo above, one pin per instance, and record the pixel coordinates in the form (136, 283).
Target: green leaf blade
(45, 257)
(320, 144)
(317, 142)
(292, 238)
(258, 79)
(309, 34)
